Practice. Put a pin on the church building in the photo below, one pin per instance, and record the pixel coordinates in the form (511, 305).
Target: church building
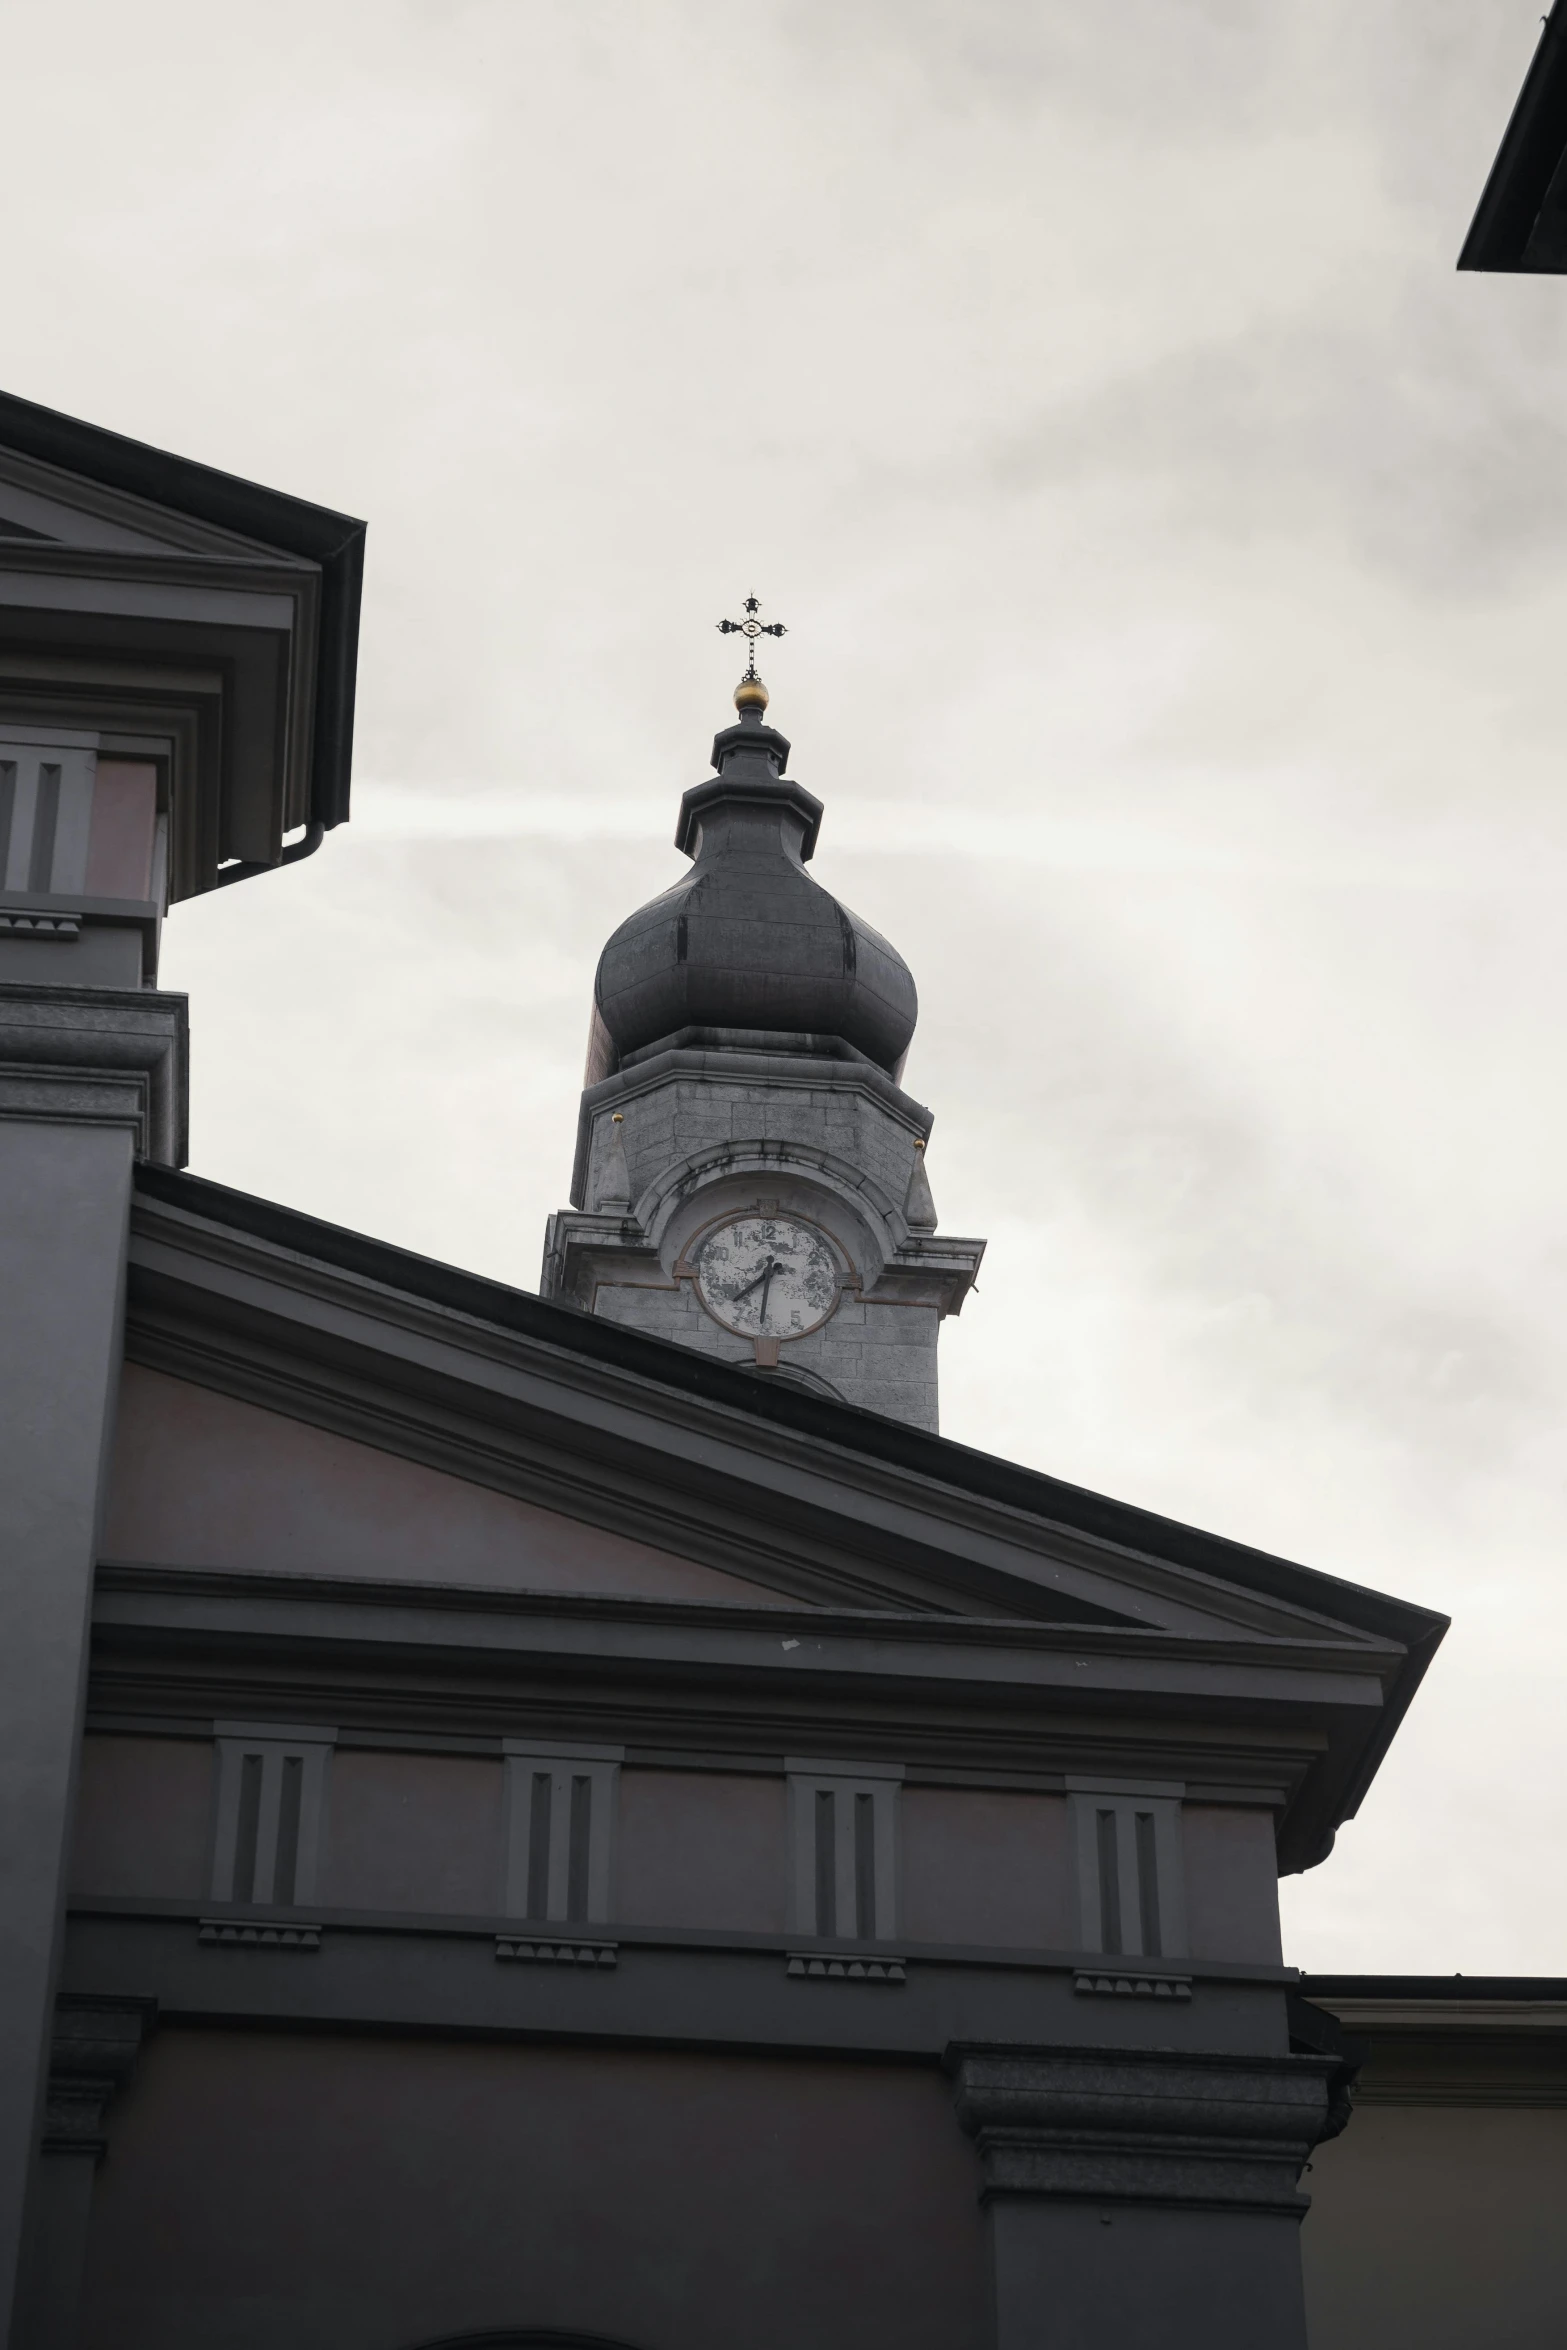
(580, 1821)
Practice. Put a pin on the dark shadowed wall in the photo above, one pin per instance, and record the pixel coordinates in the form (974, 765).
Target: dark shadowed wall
(1440, 2229)
(266, 2193)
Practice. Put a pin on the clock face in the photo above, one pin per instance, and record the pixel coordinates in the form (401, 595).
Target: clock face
(767, 1276)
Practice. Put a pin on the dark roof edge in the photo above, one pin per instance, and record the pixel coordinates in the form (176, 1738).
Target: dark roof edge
(1434, 1987)
(335, 541)
(937, 1458)
(1525, 162)
(135, 467)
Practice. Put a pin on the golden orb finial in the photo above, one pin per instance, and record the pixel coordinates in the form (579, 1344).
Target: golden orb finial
(750, 693)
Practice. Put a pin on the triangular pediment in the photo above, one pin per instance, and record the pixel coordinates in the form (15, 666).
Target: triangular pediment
(209, 1481)
(42, 507)
(369, 1446)
(657, 1472)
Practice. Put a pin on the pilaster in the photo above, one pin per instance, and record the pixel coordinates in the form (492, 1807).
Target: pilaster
(89, 1079)
(1143, 2199)
(96, 2044)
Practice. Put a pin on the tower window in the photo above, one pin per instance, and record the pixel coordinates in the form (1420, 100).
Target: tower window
(560, 1832)
(271, 1813)
(1131, 1900)
(844, 1850)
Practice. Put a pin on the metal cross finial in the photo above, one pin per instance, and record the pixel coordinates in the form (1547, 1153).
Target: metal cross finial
(751, 628)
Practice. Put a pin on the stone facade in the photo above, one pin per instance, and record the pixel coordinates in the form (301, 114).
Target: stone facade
(675, 1145)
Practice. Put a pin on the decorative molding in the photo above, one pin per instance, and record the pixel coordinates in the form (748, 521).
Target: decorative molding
(1469, 2018)
(779, 1072)
(931, 1268)
(249, 632)
(270, 1825)
(1456, 2052)
(67, 1097)
(99, 1057)
(1144, 2126)
(44, 915)
(1136, 1986)
(40, 925)
(134, 913)
(843, 1848)
(257, 1934)
(445, 1974)
(1448, 2091)
(95, 2047)
(46, 802)
(144, 1911)
(206, 1641)
(583, 1249)
(817, 1967)
(530, 1950)
(1130, 1879)
(929, 1770)
(560, 1816)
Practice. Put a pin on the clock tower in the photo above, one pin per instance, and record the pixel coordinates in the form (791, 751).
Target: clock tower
(750, 1174)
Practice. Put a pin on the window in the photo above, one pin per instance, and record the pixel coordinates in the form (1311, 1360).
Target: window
(271, 1813)
(843, 1834)
(1129, 1880)
(560, 1832)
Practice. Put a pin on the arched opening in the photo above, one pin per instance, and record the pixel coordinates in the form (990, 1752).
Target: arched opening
(525, 2338)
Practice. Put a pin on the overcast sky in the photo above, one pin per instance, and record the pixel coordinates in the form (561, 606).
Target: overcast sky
(1174, 552)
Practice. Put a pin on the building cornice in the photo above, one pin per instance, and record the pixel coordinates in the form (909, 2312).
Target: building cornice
(782, 1072)
(1153, 2125)
(1484, 2041)
(203, 573)
(98, 1057)
(440, 1975)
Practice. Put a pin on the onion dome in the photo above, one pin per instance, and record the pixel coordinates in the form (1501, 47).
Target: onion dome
(747, 941)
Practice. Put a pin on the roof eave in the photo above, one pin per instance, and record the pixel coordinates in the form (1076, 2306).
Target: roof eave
(1526, 166)
(270, 518)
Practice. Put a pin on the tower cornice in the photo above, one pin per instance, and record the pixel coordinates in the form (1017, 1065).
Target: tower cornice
(751, 789)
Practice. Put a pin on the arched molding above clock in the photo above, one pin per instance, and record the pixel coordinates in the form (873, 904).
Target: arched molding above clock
(863, 1223)
(679, 1109)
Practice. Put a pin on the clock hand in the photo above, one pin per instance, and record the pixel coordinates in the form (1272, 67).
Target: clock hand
(766, 1274)
(772, 1268)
